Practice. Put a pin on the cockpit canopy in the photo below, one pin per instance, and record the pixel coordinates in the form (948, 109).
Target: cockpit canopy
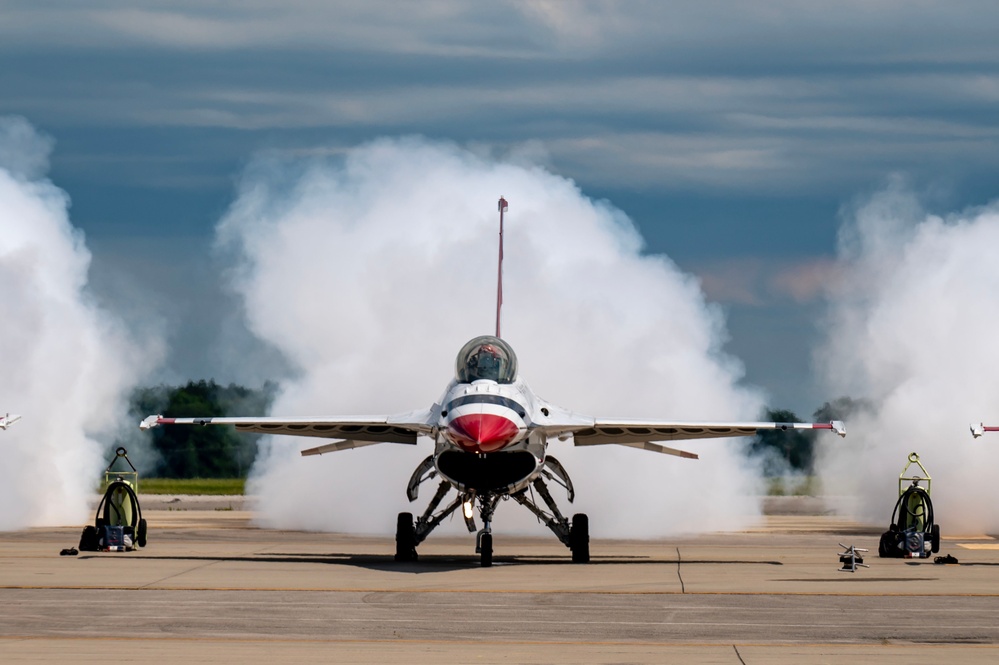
(486, 357)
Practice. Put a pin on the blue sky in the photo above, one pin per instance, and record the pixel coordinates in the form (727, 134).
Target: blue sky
(733, 134)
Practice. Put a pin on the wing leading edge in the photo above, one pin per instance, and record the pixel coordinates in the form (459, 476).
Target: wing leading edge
(630, 431)
(645, 434)
(355, 430)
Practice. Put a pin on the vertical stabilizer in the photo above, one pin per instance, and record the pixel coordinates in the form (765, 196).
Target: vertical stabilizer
(499, 278)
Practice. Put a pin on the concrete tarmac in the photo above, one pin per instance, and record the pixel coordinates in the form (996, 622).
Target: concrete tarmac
(209, 587)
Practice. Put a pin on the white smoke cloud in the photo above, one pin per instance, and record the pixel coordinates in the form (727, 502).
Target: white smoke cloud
(369, 273)
(912, 327)
(66, 362)
(24, 153)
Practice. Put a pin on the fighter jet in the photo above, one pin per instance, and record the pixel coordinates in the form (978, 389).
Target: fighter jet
(8, 420)
(491, 435)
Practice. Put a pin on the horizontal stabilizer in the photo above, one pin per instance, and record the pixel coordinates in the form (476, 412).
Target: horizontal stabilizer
(645, 445)
(335, 446)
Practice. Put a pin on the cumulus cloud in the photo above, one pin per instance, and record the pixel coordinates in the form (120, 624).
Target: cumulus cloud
(912, 327)
(758, 281)
(67, 363)
(24, 153)
(369, 273)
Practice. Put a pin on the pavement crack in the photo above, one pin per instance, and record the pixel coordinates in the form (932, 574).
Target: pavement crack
(155, 584)
(738, 655)
(678, 575)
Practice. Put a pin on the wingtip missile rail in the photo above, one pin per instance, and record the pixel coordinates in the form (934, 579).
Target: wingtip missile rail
(981, 428)
(8, 420)
(837, 426)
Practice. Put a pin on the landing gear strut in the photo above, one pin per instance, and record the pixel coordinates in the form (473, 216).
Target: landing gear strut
(484, 538)
(409, 533)
(575, 535)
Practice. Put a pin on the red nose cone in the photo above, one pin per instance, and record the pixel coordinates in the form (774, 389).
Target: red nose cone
(482, 433)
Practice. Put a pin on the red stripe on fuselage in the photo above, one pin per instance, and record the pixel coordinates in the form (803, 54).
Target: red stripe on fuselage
(482, 432)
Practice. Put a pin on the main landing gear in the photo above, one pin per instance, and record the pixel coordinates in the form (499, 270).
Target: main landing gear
(575, 534)
(410, 532)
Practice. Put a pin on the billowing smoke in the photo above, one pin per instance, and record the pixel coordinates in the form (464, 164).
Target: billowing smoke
(66, 363)
(912, 328)
(371, 270)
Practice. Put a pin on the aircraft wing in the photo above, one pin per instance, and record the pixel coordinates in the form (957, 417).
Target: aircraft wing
(981, 428)
(645, 433)
(8, 420)
(401, 428)
(634, 431)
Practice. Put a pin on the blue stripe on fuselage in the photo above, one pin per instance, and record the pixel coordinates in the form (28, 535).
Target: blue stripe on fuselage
(513, 405)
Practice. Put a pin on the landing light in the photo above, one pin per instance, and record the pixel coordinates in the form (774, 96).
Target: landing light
(468, 509)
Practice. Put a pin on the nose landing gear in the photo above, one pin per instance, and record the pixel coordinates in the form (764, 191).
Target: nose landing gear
(484, 547)
(574, 534)
(484, 538)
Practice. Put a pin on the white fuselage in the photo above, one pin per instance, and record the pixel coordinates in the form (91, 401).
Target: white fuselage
(489, 419)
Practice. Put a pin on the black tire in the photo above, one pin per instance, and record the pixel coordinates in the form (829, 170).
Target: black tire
(935, 538)
(140, 535)
(579, 538)
(405, 538)
(486, 550)
(883, 547)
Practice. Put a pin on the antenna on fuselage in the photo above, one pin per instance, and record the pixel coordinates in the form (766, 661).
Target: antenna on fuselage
(499, 279)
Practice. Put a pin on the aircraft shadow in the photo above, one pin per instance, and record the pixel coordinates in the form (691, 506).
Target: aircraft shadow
(436, 563)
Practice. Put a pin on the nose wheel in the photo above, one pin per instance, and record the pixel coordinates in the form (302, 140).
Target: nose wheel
(485, 549)
(484, 539)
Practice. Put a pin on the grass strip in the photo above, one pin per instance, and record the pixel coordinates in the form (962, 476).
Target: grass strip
(207, 486)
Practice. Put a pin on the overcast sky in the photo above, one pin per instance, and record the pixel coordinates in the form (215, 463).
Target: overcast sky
(733, 134)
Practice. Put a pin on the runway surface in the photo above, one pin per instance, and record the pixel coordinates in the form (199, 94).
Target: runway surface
(211, 588)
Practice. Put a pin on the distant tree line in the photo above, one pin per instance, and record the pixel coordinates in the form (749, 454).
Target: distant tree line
(202, 452)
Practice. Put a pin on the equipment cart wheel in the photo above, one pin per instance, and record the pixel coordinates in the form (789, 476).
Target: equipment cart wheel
(140, 534)
(486, 550)
(935, 538)
(579, 538)
(405, 538)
